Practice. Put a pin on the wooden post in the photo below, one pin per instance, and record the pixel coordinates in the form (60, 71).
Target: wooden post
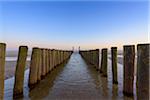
(101, 71)
(33, 68)
(51, 59)
(49, 52)
(143, 65)
(92, 58)
(104, 62)
(62, 56)
(59, 57)
(56, 58)
(114, 64)
(43, 63)
(47, 61)
(129, 57)
(19, 74)
(2, 66)
(97, 59)
(40, 65)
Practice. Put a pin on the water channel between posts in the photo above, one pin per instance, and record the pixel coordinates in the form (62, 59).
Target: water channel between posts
(75, 80)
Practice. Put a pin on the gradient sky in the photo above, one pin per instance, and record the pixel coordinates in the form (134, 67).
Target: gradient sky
(63, 24)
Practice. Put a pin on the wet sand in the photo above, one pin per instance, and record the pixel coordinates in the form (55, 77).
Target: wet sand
(75, 81)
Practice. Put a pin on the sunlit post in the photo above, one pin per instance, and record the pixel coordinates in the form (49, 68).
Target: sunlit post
(40, 65)
(2, 66)
(50, 64)
(47, 60)
(19, 74)
(34, 67)
(43, 63)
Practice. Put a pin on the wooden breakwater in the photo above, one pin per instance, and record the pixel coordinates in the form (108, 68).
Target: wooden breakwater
(143, 65)
(2, 66)
(43, 61)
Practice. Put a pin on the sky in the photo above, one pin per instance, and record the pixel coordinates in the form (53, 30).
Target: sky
(64, 24)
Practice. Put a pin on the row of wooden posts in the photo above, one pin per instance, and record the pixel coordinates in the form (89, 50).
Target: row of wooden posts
(143, 65)
(42, 62)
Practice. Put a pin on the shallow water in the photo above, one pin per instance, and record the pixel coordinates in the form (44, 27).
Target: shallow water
(15, 58)
(75, 81)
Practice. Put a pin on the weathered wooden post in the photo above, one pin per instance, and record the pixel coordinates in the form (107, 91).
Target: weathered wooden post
(114, 64)
(51, 60)
(103, 69)
(143, 65)
(97, 59)
(47, 61)
(92, 58)
(33, 68)
(43, 63)
(129, 57)
(59, 56)
(63, 56)
(40, 65)
(56, 58)
(19, 74)
(2, 66)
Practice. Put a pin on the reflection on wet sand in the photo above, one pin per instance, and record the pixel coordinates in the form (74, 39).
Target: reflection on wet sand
(44, 87)
(77, 80)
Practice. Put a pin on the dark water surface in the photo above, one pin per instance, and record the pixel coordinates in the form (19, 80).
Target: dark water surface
(74, 81)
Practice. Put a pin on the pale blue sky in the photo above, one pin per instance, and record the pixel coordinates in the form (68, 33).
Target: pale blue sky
(63, 24)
